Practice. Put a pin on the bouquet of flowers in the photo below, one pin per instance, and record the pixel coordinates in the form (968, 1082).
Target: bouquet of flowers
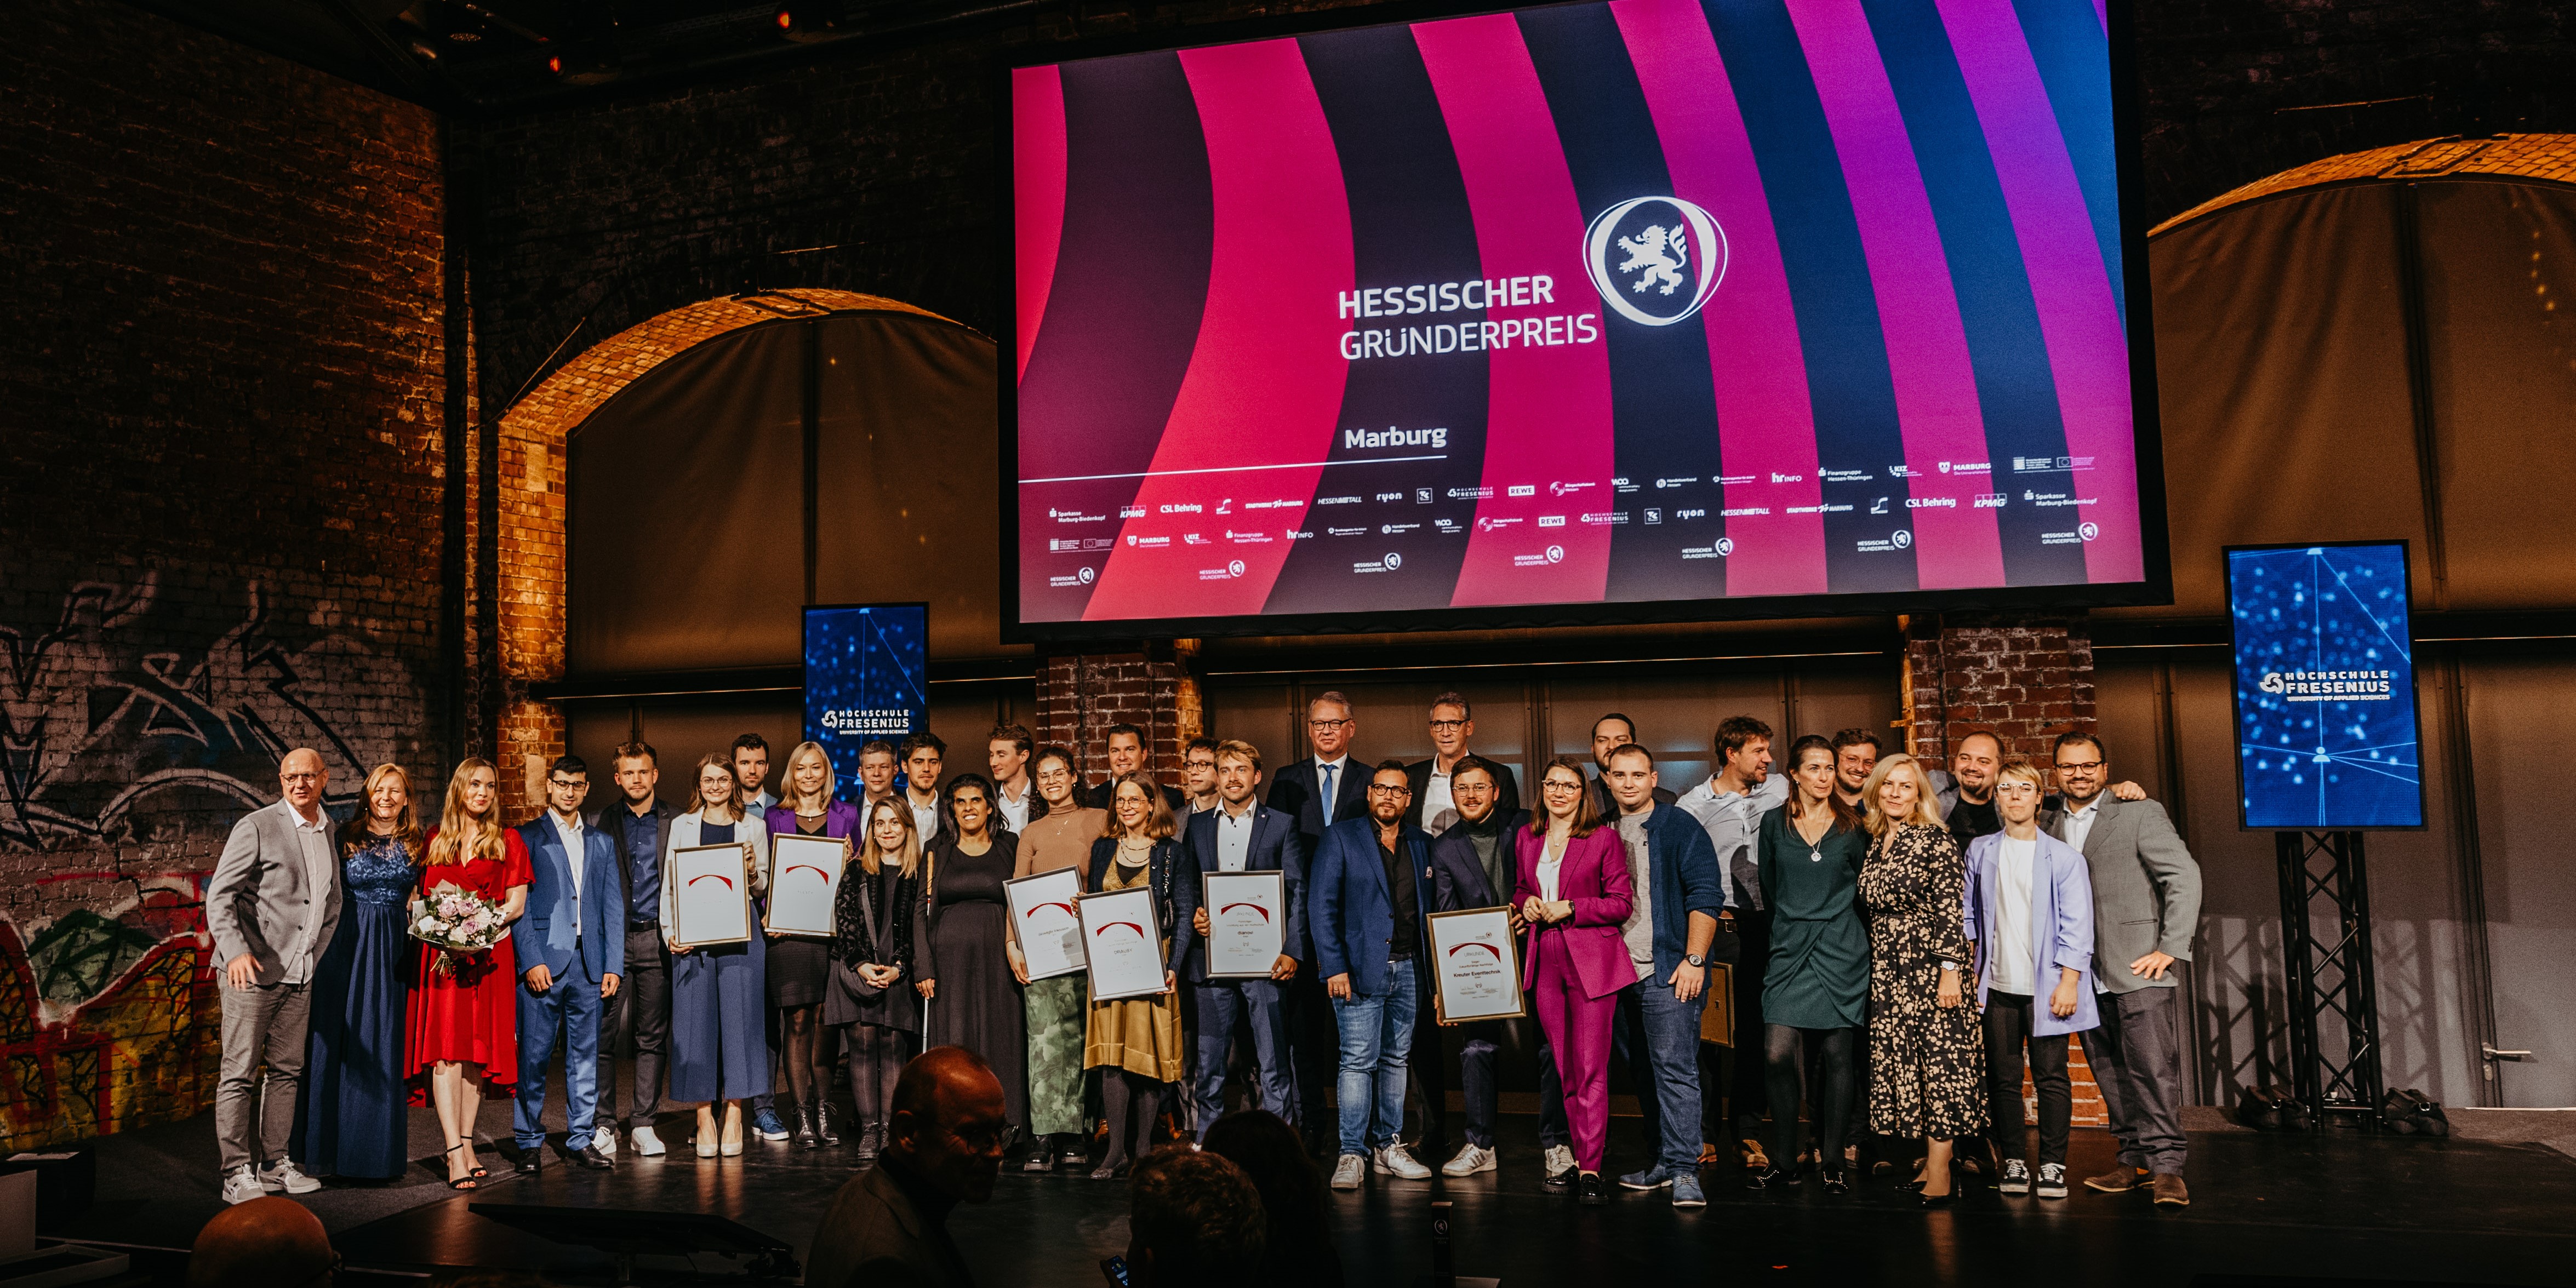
(459, 921)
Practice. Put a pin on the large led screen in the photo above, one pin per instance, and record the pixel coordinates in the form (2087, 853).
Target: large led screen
(2325, 687)
(866, 678)
(1652, 303)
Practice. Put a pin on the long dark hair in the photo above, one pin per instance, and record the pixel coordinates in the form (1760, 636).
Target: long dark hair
(1584, 819)
(1846, 818)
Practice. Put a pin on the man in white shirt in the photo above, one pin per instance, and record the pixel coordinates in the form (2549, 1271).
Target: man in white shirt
(751, 766)
(1451, 723)
(572, 953)
(1730, 805)
(922, 753)
(1006, 753)
(272, 904)
(1239, 835)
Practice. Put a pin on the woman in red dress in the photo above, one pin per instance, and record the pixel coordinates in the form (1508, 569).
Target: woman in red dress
(465, 1007)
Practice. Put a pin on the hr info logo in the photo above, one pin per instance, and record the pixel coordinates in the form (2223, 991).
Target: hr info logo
(1655, 260)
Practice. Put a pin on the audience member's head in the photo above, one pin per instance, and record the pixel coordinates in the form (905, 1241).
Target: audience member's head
(948, 1126)
(1292, 1191)
(1196, 1222)
(269, 1242)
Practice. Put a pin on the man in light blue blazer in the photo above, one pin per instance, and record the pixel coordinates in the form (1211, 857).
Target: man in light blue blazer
(571, 950)
(2030, 913)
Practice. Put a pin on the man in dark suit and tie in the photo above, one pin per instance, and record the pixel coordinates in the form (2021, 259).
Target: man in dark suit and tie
(1240, 835)
(1300, 792)
(572, 949)
(2146, 906)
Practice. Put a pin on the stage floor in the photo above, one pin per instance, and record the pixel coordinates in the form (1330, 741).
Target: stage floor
(2296, 1209)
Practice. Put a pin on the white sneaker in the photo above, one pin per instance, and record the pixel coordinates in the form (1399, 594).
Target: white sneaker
(605, 1141)
(1396, 1160)
(647, 1145)
(285, 1177)
(1560, 1159)
(242, 1185)
(1347, 1172)
(1471, 1160)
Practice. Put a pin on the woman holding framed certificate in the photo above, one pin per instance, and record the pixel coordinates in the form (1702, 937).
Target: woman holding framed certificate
(1575, 893)
(965, 971)
(719, 1051)
(799, 965)
(871, 954)
(1056, 1007)
(1135, 1043)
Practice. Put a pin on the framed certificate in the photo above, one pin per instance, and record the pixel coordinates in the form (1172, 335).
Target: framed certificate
(804, 878)
(1717, 1020)
(1476, 966)
(1247, 922)
(1122, 945)
(710, 896)
(1042, 915)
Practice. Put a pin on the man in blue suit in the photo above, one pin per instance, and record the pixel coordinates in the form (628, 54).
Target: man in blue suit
(572, 947)
(1365, 897)
(1240, 835)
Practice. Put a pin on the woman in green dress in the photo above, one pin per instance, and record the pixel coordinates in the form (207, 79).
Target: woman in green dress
(1815, 993)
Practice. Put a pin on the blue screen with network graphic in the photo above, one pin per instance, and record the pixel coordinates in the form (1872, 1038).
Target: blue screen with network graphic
(2325, 688)
(866, 677)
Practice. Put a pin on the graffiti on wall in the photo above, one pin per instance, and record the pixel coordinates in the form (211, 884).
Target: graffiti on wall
(134, 730)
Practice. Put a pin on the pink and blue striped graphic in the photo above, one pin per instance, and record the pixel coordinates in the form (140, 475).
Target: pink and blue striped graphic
(1310, 325)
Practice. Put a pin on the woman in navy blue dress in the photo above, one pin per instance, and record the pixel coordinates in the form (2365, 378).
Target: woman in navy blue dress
(356, 1119)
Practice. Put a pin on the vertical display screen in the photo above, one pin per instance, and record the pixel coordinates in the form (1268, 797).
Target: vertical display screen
(2325, 688)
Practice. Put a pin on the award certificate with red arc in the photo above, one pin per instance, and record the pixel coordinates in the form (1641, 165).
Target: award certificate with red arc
(1042, 916)
(710, 896)
(1475, 965)
(1247, 923)
(804, 879)
(1122, 943)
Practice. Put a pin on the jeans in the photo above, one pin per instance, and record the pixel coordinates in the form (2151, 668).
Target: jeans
(261, 1025)
(2008, 1019)
(1659, 1035)
(641, 1010)
(2137, 1062)
(570, 1009)
(1254, 1003)
(1376, 1039)
(1476, 1055)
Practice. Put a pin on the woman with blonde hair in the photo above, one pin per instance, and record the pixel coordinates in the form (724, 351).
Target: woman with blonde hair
(1136, 1043)
(465, 1006)
(868, 998)
(719, 1044)
(1926, 1053)
(799, 967)
(353, 1122)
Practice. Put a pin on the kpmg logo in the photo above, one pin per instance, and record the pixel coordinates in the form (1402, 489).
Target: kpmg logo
(1655, 260)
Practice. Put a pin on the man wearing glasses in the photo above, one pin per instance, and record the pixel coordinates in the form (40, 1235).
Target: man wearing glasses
(1317, 791)
(1365, 900)
(2146, 903)
(271, 905)
(1435, 806)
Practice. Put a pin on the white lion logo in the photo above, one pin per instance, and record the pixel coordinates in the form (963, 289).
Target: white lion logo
(1659, 251)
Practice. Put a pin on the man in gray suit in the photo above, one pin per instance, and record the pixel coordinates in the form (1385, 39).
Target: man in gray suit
(2146, 904)
(272, 904)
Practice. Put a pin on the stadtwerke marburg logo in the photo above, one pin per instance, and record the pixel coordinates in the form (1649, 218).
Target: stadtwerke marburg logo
(1655, 260)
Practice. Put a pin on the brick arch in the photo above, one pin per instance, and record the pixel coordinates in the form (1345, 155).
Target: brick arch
(528, 582)
(2535, 158)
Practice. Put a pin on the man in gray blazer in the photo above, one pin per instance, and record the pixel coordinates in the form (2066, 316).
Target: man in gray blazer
(2146, 904)
(271, 905)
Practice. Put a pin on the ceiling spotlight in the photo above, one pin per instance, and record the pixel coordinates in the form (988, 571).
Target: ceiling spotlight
(456, 24)
(807, 21)
(586, 54)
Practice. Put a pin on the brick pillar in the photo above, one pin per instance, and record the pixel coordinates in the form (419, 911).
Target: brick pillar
(2025, 678)
(1080, 695)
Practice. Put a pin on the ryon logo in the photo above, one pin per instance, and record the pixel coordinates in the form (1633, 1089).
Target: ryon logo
(1655, 260)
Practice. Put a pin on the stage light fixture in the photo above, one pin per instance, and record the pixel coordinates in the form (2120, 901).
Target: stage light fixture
(455, 24)
(586, 54)
(809, 21)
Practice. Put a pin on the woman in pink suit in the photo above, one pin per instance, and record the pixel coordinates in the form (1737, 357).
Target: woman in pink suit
(1573, 895)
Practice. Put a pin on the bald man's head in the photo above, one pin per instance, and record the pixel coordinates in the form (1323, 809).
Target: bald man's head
(269, 1242)
(302, 776)
(949, 1123)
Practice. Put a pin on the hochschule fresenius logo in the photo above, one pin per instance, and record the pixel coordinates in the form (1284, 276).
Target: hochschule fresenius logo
(1655, 260)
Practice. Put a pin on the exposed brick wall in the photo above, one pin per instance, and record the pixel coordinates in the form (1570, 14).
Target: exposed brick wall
(1081, 695)
(222, 390)
(2024, 678)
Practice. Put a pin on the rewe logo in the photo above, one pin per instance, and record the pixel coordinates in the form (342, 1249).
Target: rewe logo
(1655, 260)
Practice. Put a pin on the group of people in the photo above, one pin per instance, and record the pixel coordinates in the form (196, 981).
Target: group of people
(1897, 936)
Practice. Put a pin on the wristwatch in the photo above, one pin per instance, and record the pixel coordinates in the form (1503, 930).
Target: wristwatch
(1697, 960)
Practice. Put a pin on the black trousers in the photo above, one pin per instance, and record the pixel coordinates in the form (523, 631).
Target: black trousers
(2008, 1020)
(1425, 1074)
(641, 1012)
(1747, 1096)
(1314, 1053)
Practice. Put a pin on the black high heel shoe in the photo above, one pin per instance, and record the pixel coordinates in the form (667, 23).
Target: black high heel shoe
(1834, 1180)
(1939, 1200)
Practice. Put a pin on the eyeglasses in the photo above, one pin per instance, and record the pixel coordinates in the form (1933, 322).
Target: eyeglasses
(1383, 789)
(1447, 726)
(299, 778)
(983, 1140)
(567, 784)
(1559, 785)
(1326, 726)
(2071, 767)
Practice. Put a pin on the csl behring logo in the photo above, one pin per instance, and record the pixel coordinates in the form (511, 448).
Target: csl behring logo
(1655, 260)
